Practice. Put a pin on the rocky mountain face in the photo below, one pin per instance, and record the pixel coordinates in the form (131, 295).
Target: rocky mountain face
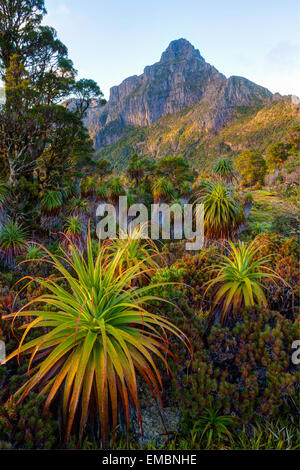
(180, 80)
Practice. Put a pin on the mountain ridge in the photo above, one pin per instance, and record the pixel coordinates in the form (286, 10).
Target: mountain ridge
(183, 104)
(182, 78)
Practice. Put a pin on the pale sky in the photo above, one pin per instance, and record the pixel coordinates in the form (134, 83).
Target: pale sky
(110, 40)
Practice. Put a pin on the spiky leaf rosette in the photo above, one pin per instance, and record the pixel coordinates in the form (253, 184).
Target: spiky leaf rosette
(12, 241)
(162, 189)
(222, 213)
(238, 278)
(139, 252)
(100, 335)
(224, 169)
(52, 202)
(115, 189)
(74, 232)
(102, 193)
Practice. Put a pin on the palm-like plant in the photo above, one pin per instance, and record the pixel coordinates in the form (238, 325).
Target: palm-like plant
(102, 193)
(33, 256)
(99, 335)
(12, 242)
(33, 252)
(185, 189)
(88, 186)
(137, 252)
(115, 189)
(52, 201)
(162, 189)
(239, 278)
(224, 169)
(73, 231)
(222, 213)
(77, 207)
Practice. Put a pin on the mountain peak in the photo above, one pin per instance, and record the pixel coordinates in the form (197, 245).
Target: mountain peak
(180, 49)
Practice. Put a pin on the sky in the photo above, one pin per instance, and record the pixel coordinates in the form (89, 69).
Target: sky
(110, 40)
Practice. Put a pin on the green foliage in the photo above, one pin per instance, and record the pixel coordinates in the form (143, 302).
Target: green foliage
(115, 189)
(277, 435)
(102, 193)
(239, 277)
(98, 335)
(222, 214)
(251, 166)
(242, 369)
(41, 141)
(4, 193)
(283, 254)
(212, 428)
(162, 189)
(73, 226)
(88, 185)
(248, 198)
(176, 169)
(33, 253)
(24, 427)
(52, 201)
(12, 242)
(139, 168)
(224, 169)
(276, 155)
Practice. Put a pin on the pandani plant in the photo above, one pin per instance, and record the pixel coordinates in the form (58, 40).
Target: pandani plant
(238, 278)
(12, 242)
(224, 170)
(115, 189)
(222, 213)
(52, 202)
(137, 251)
(162, 189)
(97, 335)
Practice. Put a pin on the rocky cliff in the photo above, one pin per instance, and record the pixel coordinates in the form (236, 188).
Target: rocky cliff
(181, 79)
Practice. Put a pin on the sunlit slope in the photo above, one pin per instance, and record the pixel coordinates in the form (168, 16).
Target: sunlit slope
(186, 133)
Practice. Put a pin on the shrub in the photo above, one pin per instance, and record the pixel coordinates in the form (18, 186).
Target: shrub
(137, 252)
(251, 166)
(284, 260)
(245, 369)
(74, 232)
(23, 427)
(102, 193)
(248, 198)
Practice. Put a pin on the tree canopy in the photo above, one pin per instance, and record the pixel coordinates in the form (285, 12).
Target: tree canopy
(42, 139)
(251, 166)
